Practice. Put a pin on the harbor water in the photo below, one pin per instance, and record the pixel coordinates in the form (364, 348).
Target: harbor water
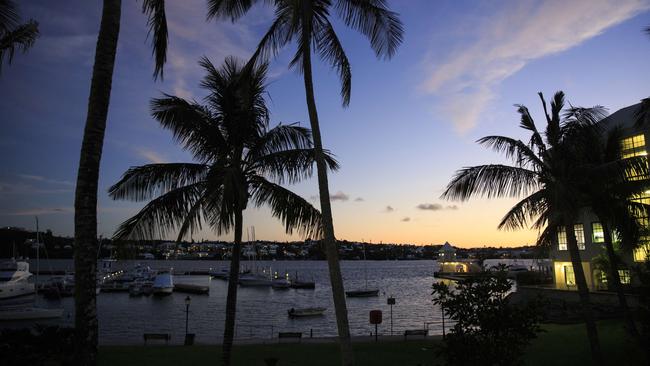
(261, 312)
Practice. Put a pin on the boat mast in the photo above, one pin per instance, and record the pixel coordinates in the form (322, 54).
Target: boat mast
(365, 265)
(38, 267)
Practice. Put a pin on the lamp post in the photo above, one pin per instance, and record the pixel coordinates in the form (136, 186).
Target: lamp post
(188, 300)
(391, 302)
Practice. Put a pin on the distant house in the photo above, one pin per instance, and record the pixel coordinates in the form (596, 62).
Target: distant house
(449, 263)
(589, 231)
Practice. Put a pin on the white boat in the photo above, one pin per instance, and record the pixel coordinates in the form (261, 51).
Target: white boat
(26, 313)
(163, 284)
(15, 280)
(305, 312)
(254, 279)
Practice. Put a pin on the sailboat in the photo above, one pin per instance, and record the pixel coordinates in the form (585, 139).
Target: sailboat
(366, 292)
(254, 278)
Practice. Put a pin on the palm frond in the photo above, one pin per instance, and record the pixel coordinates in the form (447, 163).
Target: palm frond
(513, 149)
(162, 215)
(280, 138)
(276, 37)
(374, 20)
(144, 182)
(9, 17)
(232, 9)
(491, 181)
(526, 122)
(157, 23)
(642, 114)
(331, 50)
(525, 211)
(291, 166)
(296, 213)
(191, 124)
(21, 38)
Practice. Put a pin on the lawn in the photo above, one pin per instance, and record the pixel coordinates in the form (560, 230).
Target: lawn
(560, 345)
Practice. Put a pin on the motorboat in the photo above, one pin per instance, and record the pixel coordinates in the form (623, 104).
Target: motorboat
(139, 272)
(298, 284)
(163, 284)
(59, 286)
(220, 274)
(15, 279)
(27, 313)
(254, 279)
(136, 289)
(280, 284)
(362, 293)
(305, 312)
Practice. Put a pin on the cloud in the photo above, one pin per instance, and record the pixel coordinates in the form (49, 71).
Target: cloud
(339, 196)
(435, 207)
(359, 199)
(11, 188)
(429, 206)
(389, 209)
(42, 211)
(151, 156)
(40, 178)
(406, 219)
(468, 80)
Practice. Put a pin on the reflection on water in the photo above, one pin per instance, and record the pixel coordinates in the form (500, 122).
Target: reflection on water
(262, 312)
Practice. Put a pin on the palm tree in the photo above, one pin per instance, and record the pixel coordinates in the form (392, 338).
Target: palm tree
(235, 153)
(548, 172)
(308, 23)
(14, 35)
(85, 204)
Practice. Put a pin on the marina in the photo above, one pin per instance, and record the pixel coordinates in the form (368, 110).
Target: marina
(262, 311)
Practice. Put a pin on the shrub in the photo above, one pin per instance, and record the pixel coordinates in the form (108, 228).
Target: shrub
(40, 346)
(488, 330)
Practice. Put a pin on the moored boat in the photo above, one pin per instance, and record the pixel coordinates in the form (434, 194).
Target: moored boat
(306, 312)
(362, 293)
(26, 313)
(254, 279)
(15, 280)
(163, 284)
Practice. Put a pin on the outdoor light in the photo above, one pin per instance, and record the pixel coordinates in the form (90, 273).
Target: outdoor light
(188, 300)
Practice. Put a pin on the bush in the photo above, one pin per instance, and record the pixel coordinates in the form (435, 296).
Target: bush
(488, 330)
(40, 346)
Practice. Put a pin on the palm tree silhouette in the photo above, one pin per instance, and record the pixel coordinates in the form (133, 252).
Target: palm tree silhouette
(235, 152)
(85, 203)
(14, 35)
(548, 172)
(308, 23)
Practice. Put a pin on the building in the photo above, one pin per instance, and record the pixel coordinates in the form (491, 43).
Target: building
(589, 232)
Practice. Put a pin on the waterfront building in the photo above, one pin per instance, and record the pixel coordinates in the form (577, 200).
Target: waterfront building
(588, 229)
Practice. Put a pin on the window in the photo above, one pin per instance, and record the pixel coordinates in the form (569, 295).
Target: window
(624, 275)
(642, 253)
(633, 146)
(580, 235)
(561, 238)
(569, 276)
(597, 234)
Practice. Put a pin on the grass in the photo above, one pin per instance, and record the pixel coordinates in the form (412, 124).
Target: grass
(559, 345)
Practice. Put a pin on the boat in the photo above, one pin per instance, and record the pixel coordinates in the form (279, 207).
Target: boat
(15, 279)
(298, 284)
(280, 284)
(147, 288)
(163, 284)
(27, 313)
(136, 289)
(220, 274)
(254, 279)
(366, 292)
(59, 286)
(191, 288)
(305, 312)
(362, 293)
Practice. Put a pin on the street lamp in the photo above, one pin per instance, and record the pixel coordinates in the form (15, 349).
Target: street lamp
(188, 300)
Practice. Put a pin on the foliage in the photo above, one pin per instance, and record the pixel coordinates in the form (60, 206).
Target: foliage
(488, 330)
(41, 346)
(643, 273)
(14, 35)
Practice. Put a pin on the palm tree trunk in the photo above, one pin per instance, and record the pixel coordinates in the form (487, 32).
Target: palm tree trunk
(331, 249)
(231, 299)
(616, 282)
(583, 293)
(85, 218)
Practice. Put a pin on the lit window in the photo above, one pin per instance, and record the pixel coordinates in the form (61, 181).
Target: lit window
(569, 276)
(642, 253)
(633, 144)
(597, 234)
(624, 275)
(580, 235)
(561, 238)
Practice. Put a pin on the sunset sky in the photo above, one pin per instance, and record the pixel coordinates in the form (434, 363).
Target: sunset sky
(411, 123)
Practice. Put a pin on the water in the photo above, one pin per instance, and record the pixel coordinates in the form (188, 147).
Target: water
(262, 312)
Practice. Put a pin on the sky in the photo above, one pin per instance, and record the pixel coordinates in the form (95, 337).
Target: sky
(412, 121)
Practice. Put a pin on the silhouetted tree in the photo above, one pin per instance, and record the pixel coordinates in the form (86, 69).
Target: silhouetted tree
(14, 35)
